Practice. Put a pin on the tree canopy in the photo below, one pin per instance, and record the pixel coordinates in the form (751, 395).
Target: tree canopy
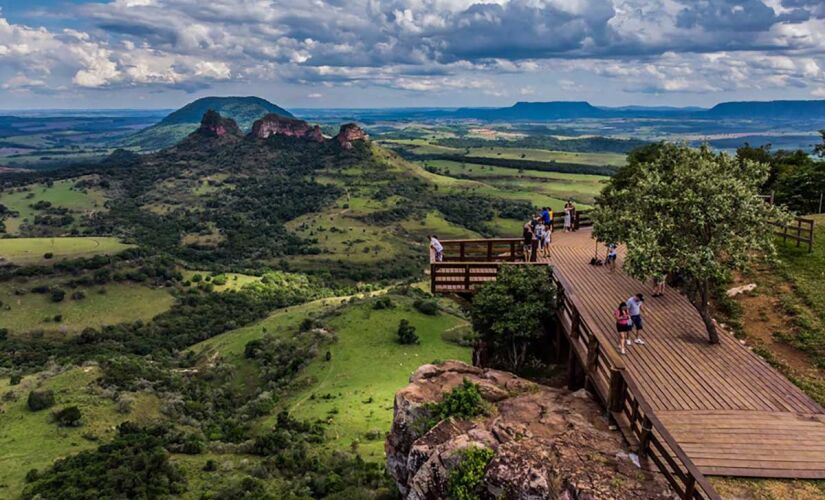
(689, 212)
(508, 313)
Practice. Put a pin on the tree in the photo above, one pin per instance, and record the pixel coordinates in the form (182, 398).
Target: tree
(819, 149)
(690, 212)
(406, 333)
(508, 313)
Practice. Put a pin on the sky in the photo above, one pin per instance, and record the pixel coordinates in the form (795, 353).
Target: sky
(399, 53)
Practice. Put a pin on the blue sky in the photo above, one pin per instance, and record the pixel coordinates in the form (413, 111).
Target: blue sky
(379, 53)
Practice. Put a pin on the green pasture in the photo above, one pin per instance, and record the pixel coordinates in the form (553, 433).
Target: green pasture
(121, 302)
(27, 251)
(30, 440)
(614, 159)
(355, 390)
(61, 194)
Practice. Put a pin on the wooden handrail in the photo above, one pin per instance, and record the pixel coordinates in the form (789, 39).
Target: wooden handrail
(620, 394)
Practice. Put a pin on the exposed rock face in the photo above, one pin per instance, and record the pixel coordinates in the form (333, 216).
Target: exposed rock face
(548, 443)
(348, 133)
(273, 124)
(214, 125)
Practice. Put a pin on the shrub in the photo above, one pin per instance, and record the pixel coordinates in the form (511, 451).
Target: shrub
(68, 417)
(406, 333)
(383, 303)
(78, 295)
(40, 400)
(4, 334)
(465, 480)
(32, 475)
(463, 402)
(15, 379)
(58, 318)
(58, 295)
(48, 255)
(428, 307)
(210, 466)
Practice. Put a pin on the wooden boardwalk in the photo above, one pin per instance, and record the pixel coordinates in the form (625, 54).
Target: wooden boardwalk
(729, 411)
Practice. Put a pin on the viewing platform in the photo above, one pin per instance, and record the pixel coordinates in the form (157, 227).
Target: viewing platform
(693, 409)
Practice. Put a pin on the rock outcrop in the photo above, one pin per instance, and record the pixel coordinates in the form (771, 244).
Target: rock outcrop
(547, 442)
(214, 125)
(273, 124)
(349, 133)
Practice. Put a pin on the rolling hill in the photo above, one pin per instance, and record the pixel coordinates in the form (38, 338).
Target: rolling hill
(177, 125)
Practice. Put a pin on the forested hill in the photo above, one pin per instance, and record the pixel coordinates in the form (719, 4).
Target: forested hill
(775, 110)
(178, 124)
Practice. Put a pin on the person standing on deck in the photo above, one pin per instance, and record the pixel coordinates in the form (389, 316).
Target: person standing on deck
(623, 325)
(659, 284)
(634, 307)
(437, 247)
(547, 216)
(527, 234)
(612, 254)
(548, 237)
(539, 231)
(568, 221)
(570, 208)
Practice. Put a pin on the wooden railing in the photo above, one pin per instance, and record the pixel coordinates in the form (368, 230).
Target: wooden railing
(605, 375)
(800, 230)
(593, 361)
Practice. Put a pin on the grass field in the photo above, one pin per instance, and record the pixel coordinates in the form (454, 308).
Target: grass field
(121, 302)
(60, 194)
(366, 369)
(29, 440)
(26, 251)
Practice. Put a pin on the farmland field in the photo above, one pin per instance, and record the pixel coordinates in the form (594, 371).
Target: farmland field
(61, 194)
(26, 251)
(102, 305)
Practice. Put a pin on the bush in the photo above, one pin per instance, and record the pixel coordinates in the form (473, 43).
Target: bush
(406, 333)
(78, 295)
(68, 417)
(48, 255)
(465, 480)
(463, 402)
(40, 400)
(428, 307)
(210, 466)
(15, 379)
(58, 295)
(4, 334)
(383, 303)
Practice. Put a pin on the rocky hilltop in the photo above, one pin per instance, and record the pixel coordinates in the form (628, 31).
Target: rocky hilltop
(547, 442)
(274, 124)
(349, 133)
(214, 125)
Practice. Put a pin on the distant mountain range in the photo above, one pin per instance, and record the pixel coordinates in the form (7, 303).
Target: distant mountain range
(568, 110)
(245, 110)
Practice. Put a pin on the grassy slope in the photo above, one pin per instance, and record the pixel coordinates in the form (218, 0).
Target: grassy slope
(23, 251)
(366, 369)
(366, 363)
(61, 194)
(30, 440)
(122, 302)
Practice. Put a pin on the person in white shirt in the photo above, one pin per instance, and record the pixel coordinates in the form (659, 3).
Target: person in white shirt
(437, 247)
(634, 307)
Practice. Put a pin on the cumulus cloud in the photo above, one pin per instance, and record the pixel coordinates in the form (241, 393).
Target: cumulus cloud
(653, 46)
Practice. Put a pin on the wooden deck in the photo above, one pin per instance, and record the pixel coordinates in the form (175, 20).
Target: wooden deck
(729, 411)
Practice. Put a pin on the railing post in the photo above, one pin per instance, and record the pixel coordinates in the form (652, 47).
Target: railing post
(644, 439)
(690, 487)
(512, 251)
(433, 272)
(592, 354)
(489, 250)
(467, 277)
(617, 392)
(461, 251)
(575, 323)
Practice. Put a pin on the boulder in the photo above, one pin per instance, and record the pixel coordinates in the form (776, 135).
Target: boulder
(547, 442)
